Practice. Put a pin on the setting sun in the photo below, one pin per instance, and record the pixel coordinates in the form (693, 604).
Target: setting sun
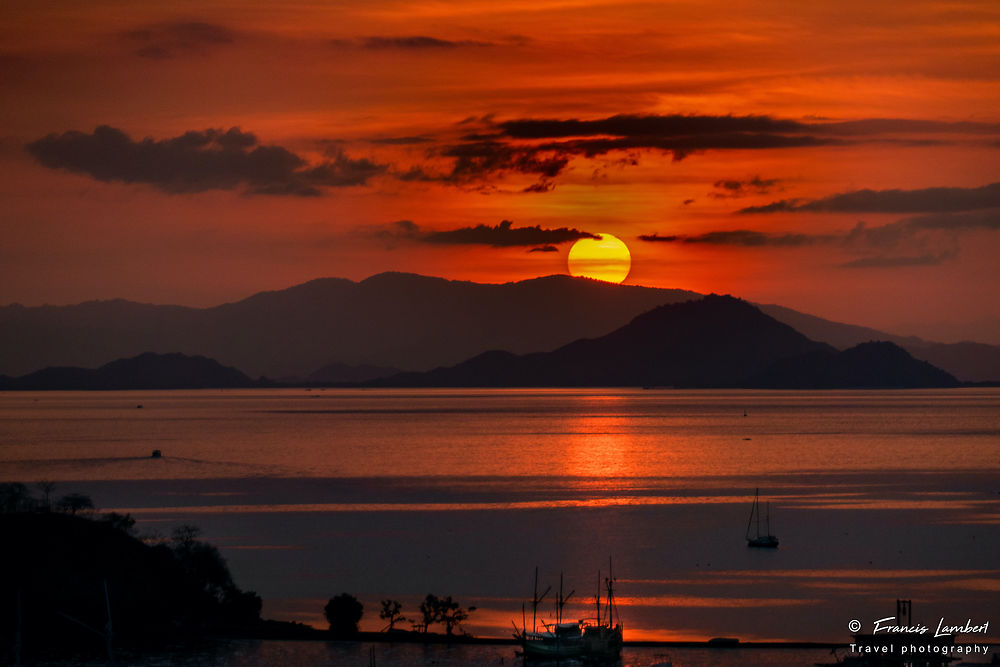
(605, 259)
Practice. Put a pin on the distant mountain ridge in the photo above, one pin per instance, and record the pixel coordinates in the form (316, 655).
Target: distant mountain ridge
(389, 321)
(714, 342)
(969, 362)
(146, 371)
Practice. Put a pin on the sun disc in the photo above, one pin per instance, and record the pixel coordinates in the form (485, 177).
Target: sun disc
(605, 259)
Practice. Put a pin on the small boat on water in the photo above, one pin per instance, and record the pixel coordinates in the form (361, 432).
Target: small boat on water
(765, 540)
(595, 641)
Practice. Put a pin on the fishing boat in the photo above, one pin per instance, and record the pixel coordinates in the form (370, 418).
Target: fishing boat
(597, 640)
(765, 540)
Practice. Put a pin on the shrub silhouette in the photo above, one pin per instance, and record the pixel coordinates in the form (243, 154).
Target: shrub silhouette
(343, 612)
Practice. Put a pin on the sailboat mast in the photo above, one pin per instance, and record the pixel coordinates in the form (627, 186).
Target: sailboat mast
(611, 593)
(768, 506)
(598, 597)
(559, 602)
(534, 604)
(756, 506)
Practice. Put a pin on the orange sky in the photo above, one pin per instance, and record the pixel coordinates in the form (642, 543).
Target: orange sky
(399, 135)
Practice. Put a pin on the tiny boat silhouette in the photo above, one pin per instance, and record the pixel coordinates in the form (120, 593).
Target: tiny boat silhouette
(765, 540)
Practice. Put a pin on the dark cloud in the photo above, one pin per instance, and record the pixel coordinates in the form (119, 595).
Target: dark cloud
(675, 134)
(483, 155)
(926, 200)
(545, 248)
(503, 235)
(537, 145)
(628, 125)
(396, 232)
(416, 42)
(543, 148)
(940, 228)
(342, 171)
(484, 158)
(733, 189)
(915, 241)
(884, 126)
(888, 262)
(418, 174)
(540, 186)
(741, 237)
(506, 235)
(985, 220)
(198, 161)
(167, 40)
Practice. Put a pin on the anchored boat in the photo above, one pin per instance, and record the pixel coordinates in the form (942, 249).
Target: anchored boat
(765, 540)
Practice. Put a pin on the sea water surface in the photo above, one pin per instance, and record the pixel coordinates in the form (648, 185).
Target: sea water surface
(399, 493)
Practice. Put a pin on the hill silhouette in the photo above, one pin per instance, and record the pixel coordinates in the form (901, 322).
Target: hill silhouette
(146, 371)
(970, 362)
(394, 320)
(390, 320)
(59, 564)
(872, 365)
(718, 341)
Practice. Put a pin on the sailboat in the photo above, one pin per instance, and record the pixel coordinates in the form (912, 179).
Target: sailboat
(767, 540)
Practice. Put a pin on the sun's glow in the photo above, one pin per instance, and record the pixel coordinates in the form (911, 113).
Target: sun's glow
(606, 259)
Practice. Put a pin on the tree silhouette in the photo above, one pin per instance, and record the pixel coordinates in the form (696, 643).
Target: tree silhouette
(442, 610)
(184, 536)
(46, 487)
(430, 611)
(14, 497)
(343, 612)
(392, 613)
(452, 614)
(122, 522)
(74, 502)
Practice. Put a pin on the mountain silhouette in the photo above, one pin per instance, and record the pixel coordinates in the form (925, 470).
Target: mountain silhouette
(970, 362)
(146, 371)
(394, 320)
(390, 320)
(717, 341)
(872, 365)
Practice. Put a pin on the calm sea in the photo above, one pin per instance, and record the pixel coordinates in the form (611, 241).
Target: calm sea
(399, 493)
